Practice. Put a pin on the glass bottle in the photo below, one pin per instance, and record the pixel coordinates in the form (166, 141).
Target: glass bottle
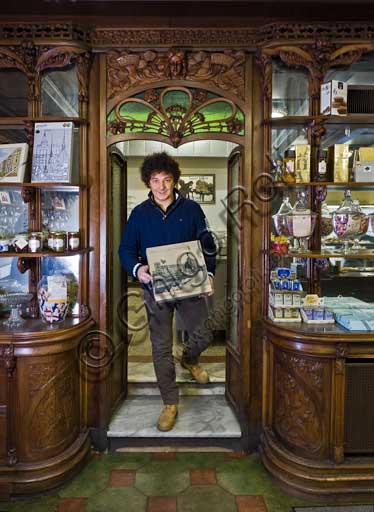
(322, 174)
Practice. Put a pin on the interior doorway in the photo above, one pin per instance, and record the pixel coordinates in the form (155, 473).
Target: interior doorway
(205, 161)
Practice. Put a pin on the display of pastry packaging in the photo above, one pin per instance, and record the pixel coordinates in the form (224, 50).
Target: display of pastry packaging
(285, 294)
(314, 311)
(351, 313)
(334, 98)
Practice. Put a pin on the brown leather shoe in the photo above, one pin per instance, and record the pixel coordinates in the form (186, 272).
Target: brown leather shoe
(167, 418)
(198, 373)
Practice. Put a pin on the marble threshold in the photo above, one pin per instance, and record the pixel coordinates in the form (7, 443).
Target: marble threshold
(144, 372)
(198, 417)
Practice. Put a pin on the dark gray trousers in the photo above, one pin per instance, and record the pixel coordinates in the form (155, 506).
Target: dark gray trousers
(193, 313)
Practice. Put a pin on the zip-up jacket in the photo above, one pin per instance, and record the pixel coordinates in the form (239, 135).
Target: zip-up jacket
(149, 226)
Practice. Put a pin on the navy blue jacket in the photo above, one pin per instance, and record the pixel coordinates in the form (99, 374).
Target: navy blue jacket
(149, 226)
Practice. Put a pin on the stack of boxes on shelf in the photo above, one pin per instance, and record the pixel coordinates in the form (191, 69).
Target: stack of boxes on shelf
(285, 293)
(314, 310)
(351, 313)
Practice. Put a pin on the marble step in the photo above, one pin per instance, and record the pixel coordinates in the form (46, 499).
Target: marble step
(144, 372)
(200, 417)
(185, 389)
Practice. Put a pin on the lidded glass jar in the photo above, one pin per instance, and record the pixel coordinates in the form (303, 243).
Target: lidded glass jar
(279, 218)
(349, 221)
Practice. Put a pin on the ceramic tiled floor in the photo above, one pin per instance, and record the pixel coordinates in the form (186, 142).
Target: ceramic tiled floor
(165, 482)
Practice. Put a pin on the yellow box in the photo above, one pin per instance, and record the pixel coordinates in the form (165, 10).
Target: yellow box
(302, 163)
(341, 163)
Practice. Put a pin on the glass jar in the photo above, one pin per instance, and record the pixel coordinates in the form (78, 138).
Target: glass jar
(349, 221)
(59, 241)
(73, 240)
(21, 242)
(50, 240)
(35, 242)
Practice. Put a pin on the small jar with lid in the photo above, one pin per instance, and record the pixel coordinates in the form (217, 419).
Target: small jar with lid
(73, 240)
(59, 241)
(50, 240)
(21, 242)
(35, 242)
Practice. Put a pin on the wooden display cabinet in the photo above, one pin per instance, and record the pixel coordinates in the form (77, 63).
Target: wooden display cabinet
(317, 437)
(43, 373)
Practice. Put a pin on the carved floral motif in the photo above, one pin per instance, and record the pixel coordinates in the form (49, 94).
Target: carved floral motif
(298, 401)
(52, 410)
(222, 69)
(7, 359)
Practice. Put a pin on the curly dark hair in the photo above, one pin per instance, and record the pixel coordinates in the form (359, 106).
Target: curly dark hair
(159, 162)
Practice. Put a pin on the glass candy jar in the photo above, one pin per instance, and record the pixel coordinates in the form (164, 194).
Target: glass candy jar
(53, 298)
(349, 221)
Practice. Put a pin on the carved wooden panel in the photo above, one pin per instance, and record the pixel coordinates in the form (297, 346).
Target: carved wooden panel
(35, 31)
(49, 405)
(224, 70)
(301, 398)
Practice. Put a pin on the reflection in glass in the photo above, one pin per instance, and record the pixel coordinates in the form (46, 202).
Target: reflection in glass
(60, 92)
(358, 73)
(13, 213)
(13, 93)
(234, 240)
(60, 210)
(290, 93)
(283, 140)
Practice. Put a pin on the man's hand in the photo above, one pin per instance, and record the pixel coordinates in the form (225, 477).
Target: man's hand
(143, 275)
(211, 280)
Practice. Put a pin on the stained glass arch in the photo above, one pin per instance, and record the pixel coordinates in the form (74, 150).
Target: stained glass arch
(176, 115)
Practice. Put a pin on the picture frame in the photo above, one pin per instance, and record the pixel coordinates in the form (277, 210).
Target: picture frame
(199, 187)
(5, 197)
(13, 160)
(178, 271)
(52, 152)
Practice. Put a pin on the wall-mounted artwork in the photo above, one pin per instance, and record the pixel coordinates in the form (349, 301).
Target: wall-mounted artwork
(199, 187)
(13, 158)
(52, 156)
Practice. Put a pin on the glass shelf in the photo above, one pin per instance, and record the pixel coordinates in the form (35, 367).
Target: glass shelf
(12, 121)
(56, 184)
(302, 120)
(349, 184)
(324, 255)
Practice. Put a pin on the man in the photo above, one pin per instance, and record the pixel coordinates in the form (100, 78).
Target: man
(167, 217)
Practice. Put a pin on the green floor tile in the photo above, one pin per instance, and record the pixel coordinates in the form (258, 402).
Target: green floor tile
(200, 460)
(42, 504)
(162, 478)
(244, 476)
(117, 500)
(206, 497)
(93, 478)
(125, 460)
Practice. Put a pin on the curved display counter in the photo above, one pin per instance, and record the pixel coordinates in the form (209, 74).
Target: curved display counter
(318, 438)
(43, 433)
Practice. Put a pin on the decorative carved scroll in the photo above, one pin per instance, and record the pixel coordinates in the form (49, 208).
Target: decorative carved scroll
(313, 31)
(222, 69)
(298, 401)
(35, 31)
(7, 359)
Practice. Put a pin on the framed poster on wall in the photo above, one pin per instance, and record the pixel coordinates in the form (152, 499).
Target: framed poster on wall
(199, 187)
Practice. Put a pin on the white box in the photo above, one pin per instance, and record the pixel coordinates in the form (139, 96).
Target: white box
(334, 98)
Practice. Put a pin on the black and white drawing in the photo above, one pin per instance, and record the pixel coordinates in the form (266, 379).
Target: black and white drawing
(52, 155)
(178, 271)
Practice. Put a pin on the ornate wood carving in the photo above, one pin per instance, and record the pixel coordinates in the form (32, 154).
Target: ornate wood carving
(35, 31)
(83, 68)
(312, 31)
(264, 62)
(52, 413)
(7, 359)
(225, 69)
(56, 57)
(298, 401)
(193, 37)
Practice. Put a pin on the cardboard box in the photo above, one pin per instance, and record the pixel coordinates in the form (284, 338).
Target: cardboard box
(363, 164)
(338, 160)
(302, 163)
(334, 98)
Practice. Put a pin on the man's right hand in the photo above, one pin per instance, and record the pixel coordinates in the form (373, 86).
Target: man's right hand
(143, 274)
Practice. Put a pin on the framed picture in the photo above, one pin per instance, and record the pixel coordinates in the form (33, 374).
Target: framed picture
(52, 153)
(178, 271)
(199, 187)
(5, 197)
(13, 159)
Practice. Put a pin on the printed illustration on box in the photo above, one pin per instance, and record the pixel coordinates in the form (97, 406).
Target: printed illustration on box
(52, 155)
(200, 188)
(13, 159)
(178, 271)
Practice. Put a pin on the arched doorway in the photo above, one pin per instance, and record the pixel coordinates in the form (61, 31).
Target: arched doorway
(176, 114)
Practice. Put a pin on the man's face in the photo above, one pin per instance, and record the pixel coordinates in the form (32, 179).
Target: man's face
(161, 185)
